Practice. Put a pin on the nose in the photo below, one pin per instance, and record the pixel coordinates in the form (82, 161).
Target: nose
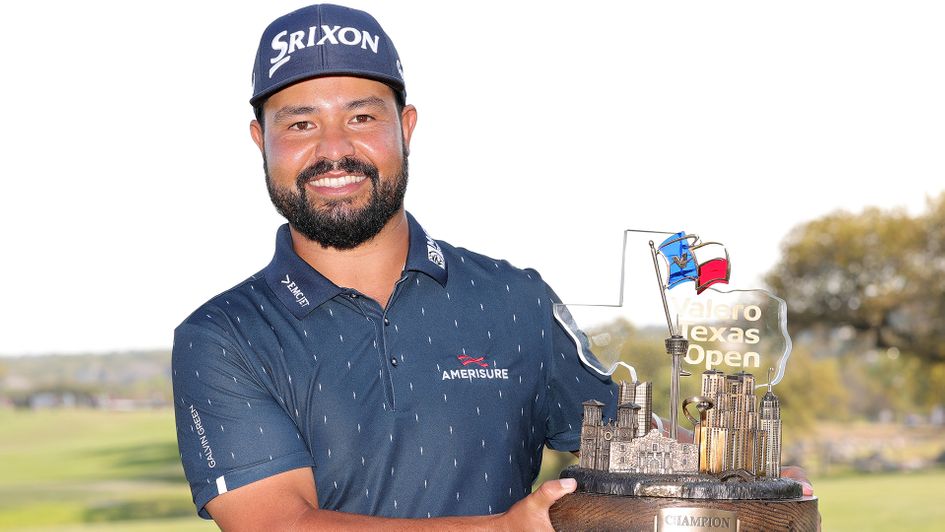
(334, 143)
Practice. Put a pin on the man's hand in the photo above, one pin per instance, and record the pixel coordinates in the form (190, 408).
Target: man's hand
(289, 501)
(531, 513)
(798, 474)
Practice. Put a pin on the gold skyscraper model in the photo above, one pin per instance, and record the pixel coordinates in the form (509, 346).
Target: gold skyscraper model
(733, 434)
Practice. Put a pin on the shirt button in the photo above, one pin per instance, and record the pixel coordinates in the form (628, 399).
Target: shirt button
(393, 361)
(386, 321)
(353, 296)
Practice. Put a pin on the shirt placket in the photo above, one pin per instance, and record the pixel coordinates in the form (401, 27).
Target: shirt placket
(379, 318)
(389, 358)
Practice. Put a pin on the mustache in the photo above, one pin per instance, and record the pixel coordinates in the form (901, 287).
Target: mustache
(348, 164)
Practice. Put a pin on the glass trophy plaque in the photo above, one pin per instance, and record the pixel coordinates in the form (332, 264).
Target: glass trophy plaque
(722, 343)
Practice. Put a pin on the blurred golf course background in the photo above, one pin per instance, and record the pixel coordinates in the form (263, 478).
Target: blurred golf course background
(88, 442)
(79, 469)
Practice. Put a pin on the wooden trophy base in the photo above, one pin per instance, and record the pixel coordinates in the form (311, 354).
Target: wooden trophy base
(699, 510)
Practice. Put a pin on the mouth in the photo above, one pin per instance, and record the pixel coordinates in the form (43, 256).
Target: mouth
(339, 179)
(337, 185)
(337, 182)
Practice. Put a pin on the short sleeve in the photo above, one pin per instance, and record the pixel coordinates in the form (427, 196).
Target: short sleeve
(571, 383)
(231, 430)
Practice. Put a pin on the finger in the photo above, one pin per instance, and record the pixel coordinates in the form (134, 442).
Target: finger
(808, 489)
(798, 475)
(552, 490)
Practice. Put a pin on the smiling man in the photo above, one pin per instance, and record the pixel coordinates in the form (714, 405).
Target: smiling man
(370, 375)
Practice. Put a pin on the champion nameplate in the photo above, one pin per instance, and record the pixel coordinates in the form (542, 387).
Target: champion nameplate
(695, 520)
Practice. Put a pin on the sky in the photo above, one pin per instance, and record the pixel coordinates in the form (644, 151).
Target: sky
(132, 191)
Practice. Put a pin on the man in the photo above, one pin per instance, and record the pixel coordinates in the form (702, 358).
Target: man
(369, 374)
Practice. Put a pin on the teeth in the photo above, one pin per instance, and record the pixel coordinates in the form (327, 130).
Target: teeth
(338, 182)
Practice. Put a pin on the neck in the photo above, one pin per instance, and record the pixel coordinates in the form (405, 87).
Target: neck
(372, 268)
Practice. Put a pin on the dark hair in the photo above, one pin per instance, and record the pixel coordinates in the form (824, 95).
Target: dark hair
(258, 111)
(400, 99)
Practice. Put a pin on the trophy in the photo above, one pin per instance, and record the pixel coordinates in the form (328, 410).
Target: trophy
(638, 471)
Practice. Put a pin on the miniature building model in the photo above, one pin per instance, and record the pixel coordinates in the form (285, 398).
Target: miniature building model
(657, 454)
(623, 445)
(771, 430)
(731, 434)
(599, 440)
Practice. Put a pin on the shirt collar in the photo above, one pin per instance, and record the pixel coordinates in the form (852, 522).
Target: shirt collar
(302, 288)
(299, 286)
(424, 254)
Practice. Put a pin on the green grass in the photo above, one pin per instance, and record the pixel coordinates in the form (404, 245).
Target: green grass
(92, 470)
(63, 445)
(159, 525)
(894, 501)
(84, 470)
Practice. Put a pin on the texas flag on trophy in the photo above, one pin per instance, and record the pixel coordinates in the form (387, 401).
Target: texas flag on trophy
(682, 265)
(679, 250)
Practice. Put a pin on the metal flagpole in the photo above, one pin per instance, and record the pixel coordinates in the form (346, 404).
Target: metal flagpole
(676, 346)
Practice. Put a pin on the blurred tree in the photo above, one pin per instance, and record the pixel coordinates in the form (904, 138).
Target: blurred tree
(928, 387)
(882, 273)
(927, 312)
(812, 390)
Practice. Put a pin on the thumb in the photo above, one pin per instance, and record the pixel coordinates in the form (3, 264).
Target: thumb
(806, 487)
(552, 490)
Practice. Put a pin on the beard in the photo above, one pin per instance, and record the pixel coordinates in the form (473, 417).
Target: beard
(338, 223)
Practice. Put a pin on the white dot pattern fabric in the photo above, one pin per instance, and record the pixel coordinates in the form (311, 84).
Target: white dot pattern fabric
(438, 405)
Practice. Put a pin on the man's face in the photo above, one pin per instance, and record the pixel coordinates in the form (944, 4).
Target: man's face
(335, 154)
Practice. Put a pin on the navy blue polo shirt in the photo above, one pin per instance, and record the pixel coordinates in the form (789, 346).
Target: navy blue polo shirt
(438, 405)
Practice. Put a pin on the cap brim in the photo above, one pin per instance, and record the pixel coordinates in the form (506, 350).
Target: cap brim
(394, 83)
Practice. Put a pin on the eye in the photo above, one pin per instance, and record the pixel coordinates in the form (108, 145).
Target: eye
(361, 119)
(301, 126)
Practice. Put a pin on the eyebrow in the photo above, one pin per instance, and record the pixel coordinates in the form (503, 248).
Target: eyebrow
(290, 111)
(370, 101)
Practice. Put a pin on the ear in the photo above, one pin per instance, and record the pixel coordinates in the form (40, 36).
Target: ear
(256, 131)
(408, 120)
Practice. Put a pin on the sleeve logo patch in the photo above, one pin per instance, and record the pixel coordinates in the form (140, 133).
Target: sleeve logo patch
(206, 450)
